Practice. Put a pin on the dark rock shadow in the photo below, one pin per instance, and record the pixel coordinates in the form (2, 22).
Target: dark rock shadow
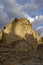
(31, 40)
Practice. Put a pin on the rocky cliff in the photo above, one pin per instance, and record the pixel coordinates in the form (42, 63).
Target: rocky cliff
(19, 27)
(0, 34)
(19, 44)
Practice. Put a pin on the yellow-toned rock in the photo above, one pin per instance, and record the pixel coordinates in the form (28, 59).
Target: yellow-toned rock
(0, 34)
(19, 27)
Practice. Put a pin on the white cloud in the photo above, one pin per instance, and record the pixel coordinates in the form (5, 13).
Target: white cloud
(32, 5)
(38, 19)
(14, 9)
(29, 18)
(1, 6)
(40, 30)
(3, 14)
(37, 23)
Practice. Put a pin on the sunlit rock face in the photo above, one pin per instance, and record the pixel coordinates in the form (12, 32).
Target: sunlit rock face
(19, 27)
(0, 34)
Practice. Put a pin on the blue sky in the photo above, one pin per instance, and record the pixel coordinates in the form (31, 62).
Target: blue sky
(31, 9)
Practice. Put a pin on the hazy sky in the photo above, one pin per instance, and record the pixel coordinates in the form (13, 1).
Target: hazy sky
(31, 9)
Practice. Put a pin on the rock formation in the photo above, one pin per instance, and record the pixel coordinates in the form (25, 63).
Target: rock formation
(19, 27)
(0, 34)
(19, 43)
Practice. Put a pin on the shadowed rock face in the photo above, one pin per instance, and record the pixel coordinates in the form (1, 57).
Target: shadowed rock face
(20, 52)
(19, 44)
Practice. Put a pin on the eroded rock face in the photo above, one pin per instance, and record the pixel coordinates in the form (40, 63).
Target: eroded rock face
(19, 27)
(19, 44)
(20, 53)
(0, 34)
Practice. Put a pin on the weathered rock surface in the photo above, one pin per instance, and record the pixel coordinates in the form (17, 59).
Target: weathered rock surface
(19, 27)
(19, 44)
(0, 34)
